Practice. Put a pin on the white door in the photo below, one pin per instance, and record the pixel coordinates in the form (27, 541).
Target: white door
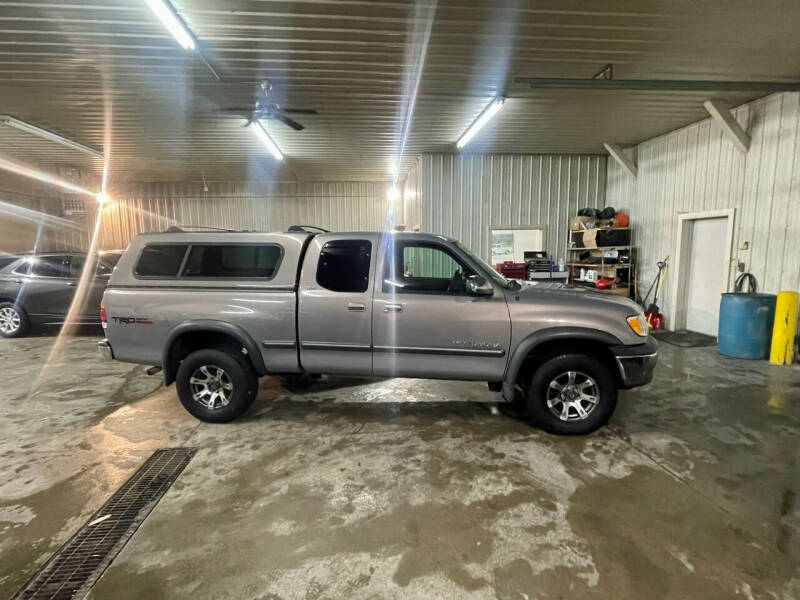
(708, 265)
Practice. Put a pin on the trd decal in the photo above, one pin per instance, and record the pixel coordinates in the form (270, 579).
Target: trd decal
(131, 320)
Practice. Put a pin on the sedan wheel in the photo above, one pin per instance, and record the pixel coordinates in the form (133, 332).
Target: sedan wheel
(10, 321)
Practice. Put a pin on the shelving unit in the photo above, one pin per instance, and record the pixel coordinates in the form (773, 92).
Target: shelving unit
(626, 271)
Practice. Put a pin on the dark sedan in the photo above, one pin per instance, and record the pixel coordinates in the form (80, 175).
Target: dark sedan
(37, 289)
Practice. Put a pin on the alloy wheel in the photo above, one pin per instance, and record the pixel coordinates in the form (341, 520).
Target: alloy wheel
(10, 320)
(572, 396)
(211, 387)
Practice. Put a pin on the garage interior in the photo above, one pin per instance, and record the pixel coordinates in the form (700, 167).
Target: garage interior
(684, 117)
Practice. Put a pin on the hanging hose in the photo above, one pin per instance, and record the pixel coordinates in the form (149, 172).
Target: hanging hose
(752, 284)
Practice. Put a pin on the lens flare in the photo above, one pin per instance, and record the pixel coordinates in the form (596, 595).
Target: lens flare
(26, 171)
(78, 308)
(416, 53)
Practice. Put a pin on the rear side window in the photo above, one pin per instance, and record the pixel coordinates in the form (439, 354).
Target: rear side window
(50, 266)
(7, 260)
(344, 266)
(161, 260)
(233, 261)
(76, 266)
(23, 268)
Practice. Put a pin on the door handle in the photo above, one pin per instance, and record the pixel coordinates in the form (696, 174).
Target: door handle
(71, 284)
(356, 307)
(392, 308)
(16, 280)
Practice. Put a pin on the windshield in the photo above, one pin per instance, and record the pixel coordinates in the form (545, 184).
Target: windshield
(488, 270)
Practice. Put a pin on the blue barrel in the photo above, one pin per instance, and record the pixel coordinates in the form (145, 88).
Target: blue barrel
(745, 325)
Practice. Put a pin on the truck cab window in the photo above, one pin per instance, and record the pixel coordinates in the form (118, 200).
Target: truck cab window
(426, 268)
(344, 266)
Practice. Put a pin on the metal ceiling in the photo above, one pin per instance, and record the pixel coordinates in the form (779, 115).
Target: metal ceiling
(355, 62)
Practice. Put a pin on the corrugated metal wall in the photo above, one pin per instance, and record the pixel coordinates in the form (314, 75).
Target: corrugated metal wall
(344, 206)
(31, 219)
(412, 198)
(696, 169)
(464, 195)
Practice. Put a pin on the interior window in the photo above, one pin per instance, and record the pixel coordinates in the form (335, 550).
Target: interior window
(50, 266)
(344, 266)
(235, 260)
(161, 260)
(426, 268)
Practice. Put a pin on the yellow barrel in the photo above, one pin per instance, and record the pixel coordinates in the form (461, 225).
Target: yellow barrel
(784, 328)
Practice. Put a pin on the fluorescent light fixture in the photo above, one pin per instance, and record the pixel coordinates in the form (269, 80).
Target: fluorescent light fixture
(48, 135)
(19, 169)
(172, 21)
(262, 134)
(102, 198)
(488, 112)
(392, 193)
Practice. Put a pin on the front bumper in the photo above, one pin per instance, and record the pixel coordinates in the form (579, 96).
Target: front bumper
(104, 348)
(636, 363)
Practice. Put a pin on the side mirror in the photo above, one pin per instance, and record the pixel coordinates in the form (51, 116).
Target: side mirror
(478, 286)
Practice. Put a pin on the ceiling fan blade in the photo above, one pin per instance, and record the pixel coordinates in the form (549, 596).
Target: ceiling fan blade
(300, 111)
(290, 122)
(237, 110)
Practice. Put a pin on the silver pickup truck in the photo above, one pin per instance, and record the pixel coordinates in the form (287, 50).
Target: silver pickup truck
(217, 310)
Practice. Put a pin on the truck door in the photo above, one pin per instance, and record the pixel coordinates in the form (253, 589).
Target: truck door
(335, 297)
(426, 324)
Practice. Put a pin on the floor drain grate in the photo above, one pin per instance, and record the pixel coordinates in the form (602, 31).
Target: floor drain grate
(80, 562)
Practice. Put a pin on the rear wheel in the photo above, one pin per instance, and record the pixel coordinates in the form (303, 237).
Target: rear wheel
(216, 386)
(571, 394)
(14, 321)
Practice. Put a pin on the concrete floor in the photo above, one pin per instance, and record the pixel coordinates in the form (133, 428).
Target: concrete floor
(411, 489)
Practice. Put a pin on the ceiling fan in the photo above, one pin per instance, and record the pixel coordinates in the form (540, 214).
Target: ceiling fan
(267, 108)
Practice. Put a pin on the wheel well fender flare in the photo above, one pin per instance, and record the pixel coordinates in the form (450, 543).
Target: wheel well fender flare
(205, 326)
(10, 300)
(543, 336)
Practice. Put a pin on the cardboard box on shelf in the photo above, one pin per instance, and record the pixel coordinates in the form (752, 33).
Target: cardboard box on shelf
(579, 223)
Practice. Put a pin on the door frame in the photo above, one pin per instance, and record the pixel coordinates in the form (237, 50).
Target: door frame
(677, 318)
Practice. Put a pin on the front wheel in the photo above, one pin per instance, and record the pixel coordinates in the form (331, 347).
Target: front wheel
(571, 394)
(216, 386)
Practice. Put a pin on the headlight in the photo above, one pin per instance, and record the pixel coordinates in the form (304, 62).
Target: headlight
(639, 324)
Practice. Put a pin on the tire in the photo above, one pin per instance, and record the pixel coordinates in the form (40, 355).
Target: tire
(554, 394)
(14, 321)
(208, 373)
